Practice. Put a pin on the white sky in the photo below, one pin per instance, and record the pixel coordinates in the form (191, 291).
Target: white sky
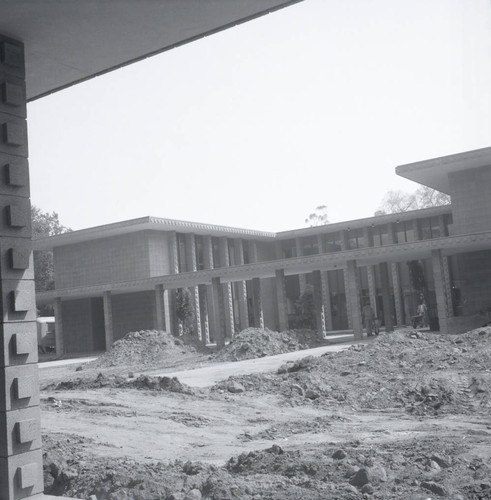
(256, 126)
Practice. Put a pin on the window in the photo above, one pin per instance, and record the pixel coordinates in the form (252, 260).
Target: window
(332, 242)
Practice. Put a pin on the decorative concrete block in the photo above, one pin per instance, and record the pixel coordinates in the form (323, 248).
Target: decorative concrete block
(12, 57)
(21, 300)
(21, 431)
(19, 258)
(22, 475)
(17, 215)
(18, 344)
(24, 387)
(19, 387)
(12, 96)
(18, 300)
(13, 138)
(14, 175)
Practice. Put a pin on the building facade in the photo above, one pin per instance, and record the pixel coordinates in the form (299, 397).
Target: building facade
(123, 277)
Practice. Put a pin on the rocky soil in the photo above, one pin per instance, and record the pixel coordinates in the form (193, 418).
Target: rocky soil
(406, 415)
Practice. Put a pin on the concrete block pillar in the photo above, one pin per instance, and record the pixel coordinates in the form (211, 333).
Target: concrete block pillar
(159, 308)
(108, 319)
(372, 289)
(218, 320)
(227, 291)
(192, 266)
(21, 467)
(59, 344)
(257, 303)
(211, 302)
(353, 298)
(319, 304)
(396, 283)
(386, 297)
(326, 300)
(441, 289)
(170, 312)
(281, 299)
(205, 320)
(241, 287)
(302, 278)
(173, 253)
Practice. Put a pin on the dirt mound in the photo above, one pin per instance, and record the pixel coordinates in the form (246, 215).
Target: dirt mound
(436, 467)
(146, 348)
(114, 381)
(259, 342)
(421, 373)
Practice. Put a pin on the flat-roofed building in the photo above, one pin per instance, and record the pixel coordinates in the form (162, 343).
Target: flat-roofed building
(121, 277)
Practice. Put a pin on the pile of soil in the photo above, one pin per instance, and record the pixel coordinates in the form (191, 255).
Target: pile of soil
(259, 342)
(147, 348)
(169, 384)
(418, 469)
(421, 373)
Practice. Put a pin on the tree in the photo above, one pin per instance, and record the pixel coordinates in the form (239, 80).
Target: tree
(318, 217)
(184, 310)
(305, 309)
(45, 224)
(396, 201)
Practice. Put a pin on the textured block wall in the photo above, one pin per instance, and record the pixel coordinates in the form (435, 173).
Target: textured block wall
(77, 325)
(106, 260)
(158, 250)
(471, 200)
(475, 279)
(133, 312)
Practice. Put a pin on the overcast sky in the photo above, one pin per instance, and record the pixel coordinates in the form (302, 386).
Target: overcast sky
(257, 125)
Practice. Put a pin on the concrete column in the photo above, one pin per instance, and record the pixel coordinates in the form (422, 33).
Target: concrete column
(21, 465)
(326, 294)
(218, 312)
(367, 234)
(321, 243)
(281, 300)
(396, 283)
(319, 301)
(302, 279)
(344, 240)
(159, 308)
(253, 253)
(441, 289)
(353, 292)
(205, 320)
(60, 347)
(241, 287)
(386, 298)
(108, 319)
(170, 312)
(372, 289)
(391, 229)
(192, 266)
(448, 285)
(173, 253)
(278, 252)
(257, 303)
(211, 302)
(227, 291)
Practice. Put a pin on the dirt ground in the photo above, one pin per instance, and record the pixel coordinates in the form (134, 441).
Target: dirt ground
(405, 415)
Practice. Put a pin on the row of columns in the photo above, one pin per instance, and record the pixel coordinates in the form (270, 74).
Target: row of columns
(221, 307)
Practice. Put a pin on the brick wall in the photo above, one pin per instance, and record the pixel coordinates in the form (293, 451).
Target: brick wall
(471, 200)
(106, 260)
(133, 312)
(77, 325)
